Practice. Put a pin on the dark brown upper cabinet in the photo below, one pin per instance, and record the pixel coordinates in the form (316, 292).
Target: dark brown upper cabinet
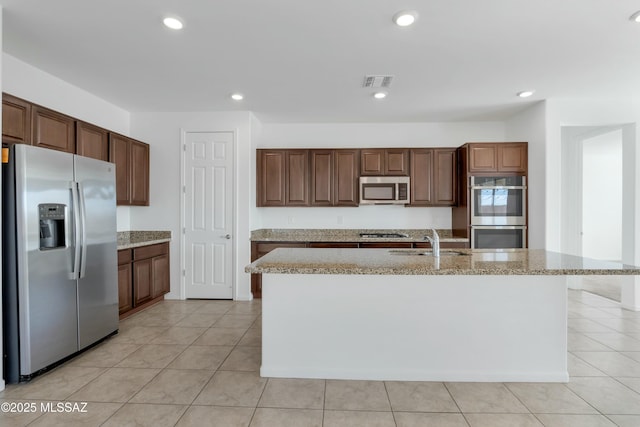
(92, 141)
(131, 158)
(334, 177)
(384, 161)
(52, 130)
(16, 120)
(421, 176)
(283, 178)
(139, 173)
(433, 176)
(445, 176)
(508, 157)
(512, 157)
(345, 172)
(322, 177)
(120, 155)
(297, 178)
(307, 177)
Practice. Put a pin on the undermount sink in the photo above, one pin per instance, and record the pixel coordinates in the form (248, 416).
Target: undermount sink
(415, 252)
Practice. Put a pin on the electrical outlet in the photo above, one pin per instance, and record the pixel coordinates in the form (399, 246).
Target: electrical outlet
(290, 220)
(340, 221)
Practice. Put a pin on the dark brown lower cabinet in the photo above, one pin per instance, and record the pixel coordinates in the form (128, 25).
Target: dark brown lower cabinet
(142, 281)
(443, 245)
(368, 245)
(143, 276)
(125, 291)
(333, 244)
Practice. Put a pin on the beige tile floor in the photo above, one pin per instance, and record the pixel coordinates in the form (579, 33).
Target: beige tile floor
(195, 363)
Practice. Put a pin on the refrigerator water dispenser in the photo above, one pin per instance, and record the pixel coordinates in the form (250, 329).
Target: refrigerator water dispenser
(52, 217)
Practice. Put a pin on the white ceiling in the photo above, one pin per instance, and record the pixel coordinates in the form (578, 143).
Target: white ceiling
(304, 60)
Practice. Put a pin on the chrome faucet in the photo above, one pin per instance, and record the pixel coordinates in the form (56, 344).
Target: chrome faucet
(435, 242)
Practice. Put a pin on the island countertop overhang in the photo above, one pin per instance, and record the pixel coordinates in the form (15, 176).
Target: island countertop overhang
(408, 262)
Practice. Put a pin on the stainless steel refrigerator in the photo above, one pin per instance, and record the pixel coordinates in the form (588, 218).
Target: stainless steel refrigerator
(59, 276)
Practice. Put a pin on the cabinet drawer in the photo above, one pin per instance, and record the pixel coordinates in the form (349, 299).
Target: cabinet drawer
(367, 245)
(333, 245)
(265, 248)
(150, 251)
(124, 256)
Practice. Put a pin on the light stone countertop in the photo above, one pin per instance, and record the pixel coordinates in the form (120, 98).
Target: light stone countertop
(134, 239)
(409, 262)
(345, 235)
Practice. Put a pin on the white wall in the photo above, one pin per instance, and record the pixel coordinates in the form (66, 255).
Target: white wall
(25, 81)
(358, 135)
(529, 126)
(163, 131)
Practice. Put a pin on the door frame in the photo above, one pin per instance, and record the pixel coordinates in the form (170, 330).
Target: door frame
(234, 205)
(571, 182)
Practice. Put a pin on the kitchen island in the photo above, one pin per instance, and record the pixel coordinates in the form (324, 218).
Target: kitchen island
(380, 314)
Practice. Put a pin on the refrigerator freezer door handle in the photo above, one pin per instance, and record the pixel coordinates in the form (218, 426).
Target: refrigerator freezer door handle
(83, 235)
(75, 205)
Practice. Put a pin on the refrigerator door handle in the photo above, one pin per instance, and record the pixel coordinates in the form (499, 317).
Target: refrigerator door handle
(75, 206)
(83, 235)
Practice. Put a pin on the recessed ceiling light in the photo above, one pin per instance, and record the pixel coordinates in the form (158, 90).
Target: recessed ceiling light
(405, 18)
(380, 95)
(237, 96)
(635, 17)
(173, 23)
(525, 93)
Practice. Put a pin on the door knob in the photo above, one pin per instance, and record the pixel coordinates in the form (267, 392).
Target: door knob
(227, 236)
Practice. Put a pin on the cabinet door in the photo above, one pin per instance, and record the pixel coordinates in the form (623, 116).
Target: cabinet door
(396, 162)
(462, 179)
(271, 178)
(512, 157)
(142, 281)
(52, 130)
(139, 173)
(483, 158)
(125, 291)
(372, 162)
(385, 245)
(421, 176)
(16, 120)
(345, 177)
(322, 177)
(444, 177)
(120, 155)
(160, 274)
(92, 141)
(333, 245)
(297, 173)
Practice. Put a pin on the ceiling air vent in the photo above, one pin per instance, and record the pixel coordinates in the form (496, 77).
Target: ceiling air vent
(377, 81)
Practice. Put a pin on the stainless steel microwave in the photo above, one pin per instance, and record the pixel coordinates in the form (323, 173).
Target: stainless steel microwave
(384, 190)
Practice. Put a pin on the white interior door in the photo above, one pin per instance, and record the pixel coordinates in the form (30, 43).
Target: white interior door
(208, 214)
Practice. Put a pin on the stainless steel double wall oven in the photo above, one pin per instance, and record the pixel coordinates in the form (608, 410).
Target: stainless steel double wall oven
(498, 211)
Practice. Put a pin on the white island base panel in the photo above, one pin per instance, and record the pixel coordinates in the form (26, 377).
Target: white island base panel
(422, 328)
